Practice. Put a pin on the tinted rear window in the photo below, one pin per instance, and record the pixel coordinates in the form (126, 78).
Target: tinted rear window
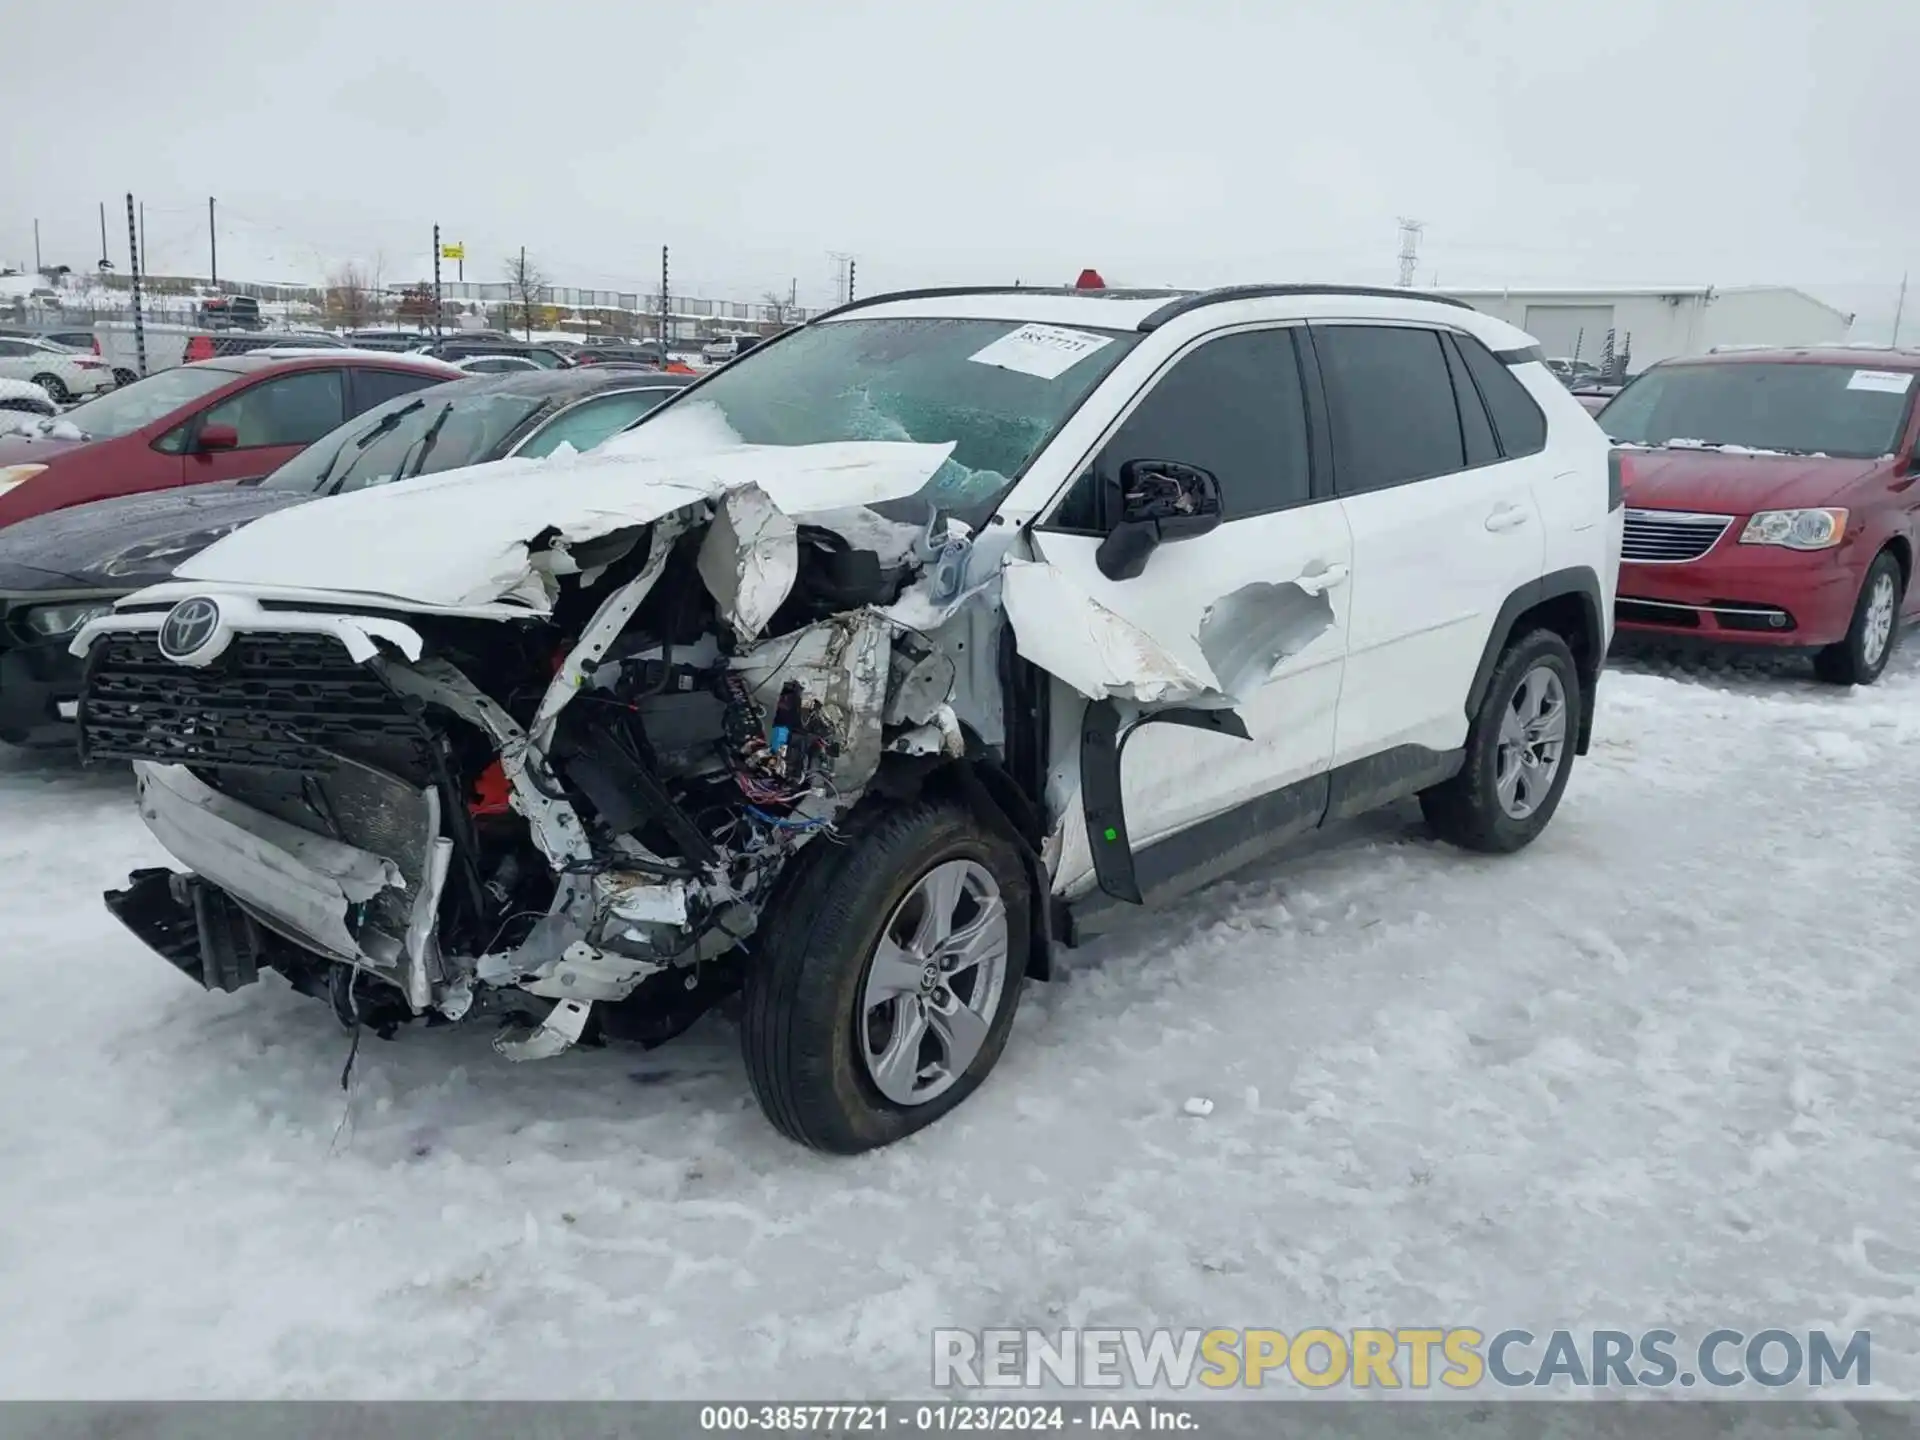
(1517, 421)
(1394, 418)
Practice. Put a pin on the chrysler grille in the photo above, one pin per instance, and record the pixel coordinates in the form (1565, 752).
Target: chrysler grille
(1667, 536)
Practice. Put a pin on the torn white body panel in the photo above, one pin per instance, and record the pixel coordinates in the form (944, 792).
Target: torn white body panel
(463, 537)
(1247, 633)
(291, 877)
(749, 559)
(1069, 634)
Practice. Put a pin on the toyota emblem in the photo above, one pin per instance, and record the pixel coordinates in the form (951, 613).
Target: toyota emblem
(189, 628)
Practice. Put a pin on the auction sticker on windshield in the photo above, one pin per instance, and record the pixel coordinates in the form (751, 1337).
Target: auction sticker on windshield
(1047, 351)
(1893, 382)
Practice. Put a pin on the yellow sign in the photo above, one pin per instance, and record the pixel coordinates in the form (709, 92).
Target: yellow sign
(453, 252)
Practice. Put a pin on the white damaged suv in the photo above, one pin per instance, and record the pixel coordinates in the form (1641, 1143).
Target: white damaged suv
(938, 632)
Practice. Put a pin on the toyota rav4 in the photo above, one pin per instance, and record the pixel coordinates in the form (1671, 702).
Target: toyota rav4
(943, 630)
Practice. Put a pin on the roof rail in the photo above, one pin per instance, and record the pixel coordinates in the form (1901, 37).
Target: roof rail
(1229, 293)
(948, 292)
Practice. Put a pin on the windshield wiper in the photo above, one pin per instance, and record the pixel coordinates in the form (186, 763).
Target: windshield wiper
(361, 442)
(427, 442)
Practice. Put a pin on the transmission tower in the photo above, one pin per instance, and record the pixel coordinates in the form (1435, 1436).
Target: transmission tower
(1409, 250)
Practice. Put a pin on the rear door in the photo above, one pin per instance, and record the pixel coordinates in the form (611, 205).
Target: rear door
(276, 418)
(1233, 405)
(1444, 529)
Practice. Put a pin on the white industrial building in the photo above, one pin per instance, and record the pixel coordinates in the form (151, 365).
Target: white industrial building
(1658, 324)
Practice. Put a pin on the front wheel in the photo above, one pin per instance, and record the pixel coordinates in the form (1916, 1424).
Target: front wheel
(56, 390)
(1519, 751)
(1875, 630)
(887, 979)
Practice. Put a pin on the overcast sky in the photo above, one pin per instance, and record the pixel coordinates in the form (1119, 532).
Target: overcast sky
(1190, 141)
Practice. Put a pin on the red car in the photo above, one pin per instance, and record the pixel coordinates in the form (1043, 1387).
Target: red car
(227, 419)
(1772, 500)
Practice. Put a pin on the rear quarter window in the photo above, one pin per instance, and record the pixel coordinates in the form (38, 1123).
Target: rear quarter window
(1518, 423)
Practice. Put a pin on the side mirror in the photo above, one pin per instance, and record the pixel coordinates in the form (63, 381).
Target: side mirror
(1158, 501)
(217, 437)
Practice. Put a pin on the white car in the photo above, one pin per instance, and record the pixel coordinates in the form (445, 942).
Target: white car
(495, 364)
(66, 375)
(723, 348)
(1139, 587)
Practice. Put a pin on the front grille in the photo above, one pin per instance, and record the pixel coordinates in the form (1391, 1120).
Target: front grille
(1669, 536)
(272, 701)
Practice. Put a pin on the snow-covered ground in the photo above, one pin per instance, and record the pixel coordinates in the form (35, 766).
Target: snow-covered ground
(1663, 1068)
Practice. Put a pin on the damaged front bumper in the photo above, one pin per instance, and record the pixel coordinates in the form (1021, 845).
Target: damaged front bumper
(311, 889)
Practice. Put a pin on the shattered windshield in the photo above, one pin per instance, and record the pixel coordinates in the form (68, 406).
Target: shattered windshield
(397, 437)
(995, 389)
(1845, 411)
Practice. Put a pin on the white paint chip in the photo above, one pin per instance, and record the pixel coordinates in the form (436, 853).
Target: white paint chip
(1048, 351)
(1889, 382)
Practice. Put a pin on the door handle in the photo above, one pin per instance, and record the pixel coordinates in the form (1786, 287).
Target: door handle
(1507, 517)
(1321, 581)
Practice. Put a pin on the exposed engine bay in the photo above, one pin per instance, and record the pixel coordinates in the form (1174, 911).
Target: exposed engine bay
(573, 819)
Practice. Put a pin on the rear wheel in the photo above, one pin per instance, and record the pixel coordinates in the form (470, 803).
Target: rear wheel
(1519, 750)
(54, 387)
(1862, 656)
(887, 980)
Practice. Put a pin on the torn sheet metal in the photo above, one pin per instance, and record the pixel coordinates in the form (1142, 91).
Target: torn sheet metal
(462, 537)
(560, 1031)
(1247, 633)
(749, 559)
(841, 662)
(1067, 633)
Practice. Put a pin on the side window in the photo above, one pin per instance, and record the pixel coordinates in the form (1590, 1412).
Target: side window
(1482, 449)
(591, 421)
(1517, 421)
(1394, 419)
(376, 387)
(1234, 407)
(293, 410)
(12, 349)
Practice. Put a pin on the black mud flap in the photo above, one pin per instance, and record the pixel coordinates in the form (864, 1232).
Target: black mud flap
(192, 926)
(1100, 745)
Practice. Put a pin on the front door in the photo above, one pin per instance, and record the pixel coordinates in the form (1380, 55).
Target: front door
(275, 420)
(1274, 573)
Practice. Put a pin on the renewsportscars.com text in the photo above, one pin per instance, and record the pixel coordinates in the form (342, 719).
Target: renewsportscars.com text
(1458, 1358)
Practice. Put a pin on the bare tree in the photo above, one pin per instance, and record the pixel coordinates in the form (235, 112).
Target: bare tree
(351, 297)
(527, 286)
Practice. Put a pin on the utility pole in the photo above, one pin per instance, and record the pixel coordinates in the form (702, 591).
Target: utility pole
(213, 249)
(840, 261)
(666, 314)
(526, 307)
(851, 263)
(105, 264)
(1409, 250)
(436, 282)
(133, 254)
(36, 247)
(793, 298)
(1899, 306)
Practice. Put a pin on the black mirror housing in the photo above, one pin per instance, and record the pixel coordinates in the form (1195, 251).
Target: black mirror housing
(1158, 501)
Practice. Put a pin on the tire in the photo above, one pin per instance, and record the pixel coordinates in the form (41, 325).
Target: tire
(1470, 810)
(55, 388)
(808, 1025)
(1873, 635)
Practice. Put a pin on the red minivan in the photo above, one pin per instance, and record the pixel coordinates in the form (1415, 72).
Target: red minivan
(1773, 501)
(226, 419)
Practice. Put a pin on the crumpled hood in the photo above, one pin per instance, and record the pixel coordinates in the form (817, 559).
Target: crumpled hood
(464, 537)
(1716, 482)
(131, 540)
